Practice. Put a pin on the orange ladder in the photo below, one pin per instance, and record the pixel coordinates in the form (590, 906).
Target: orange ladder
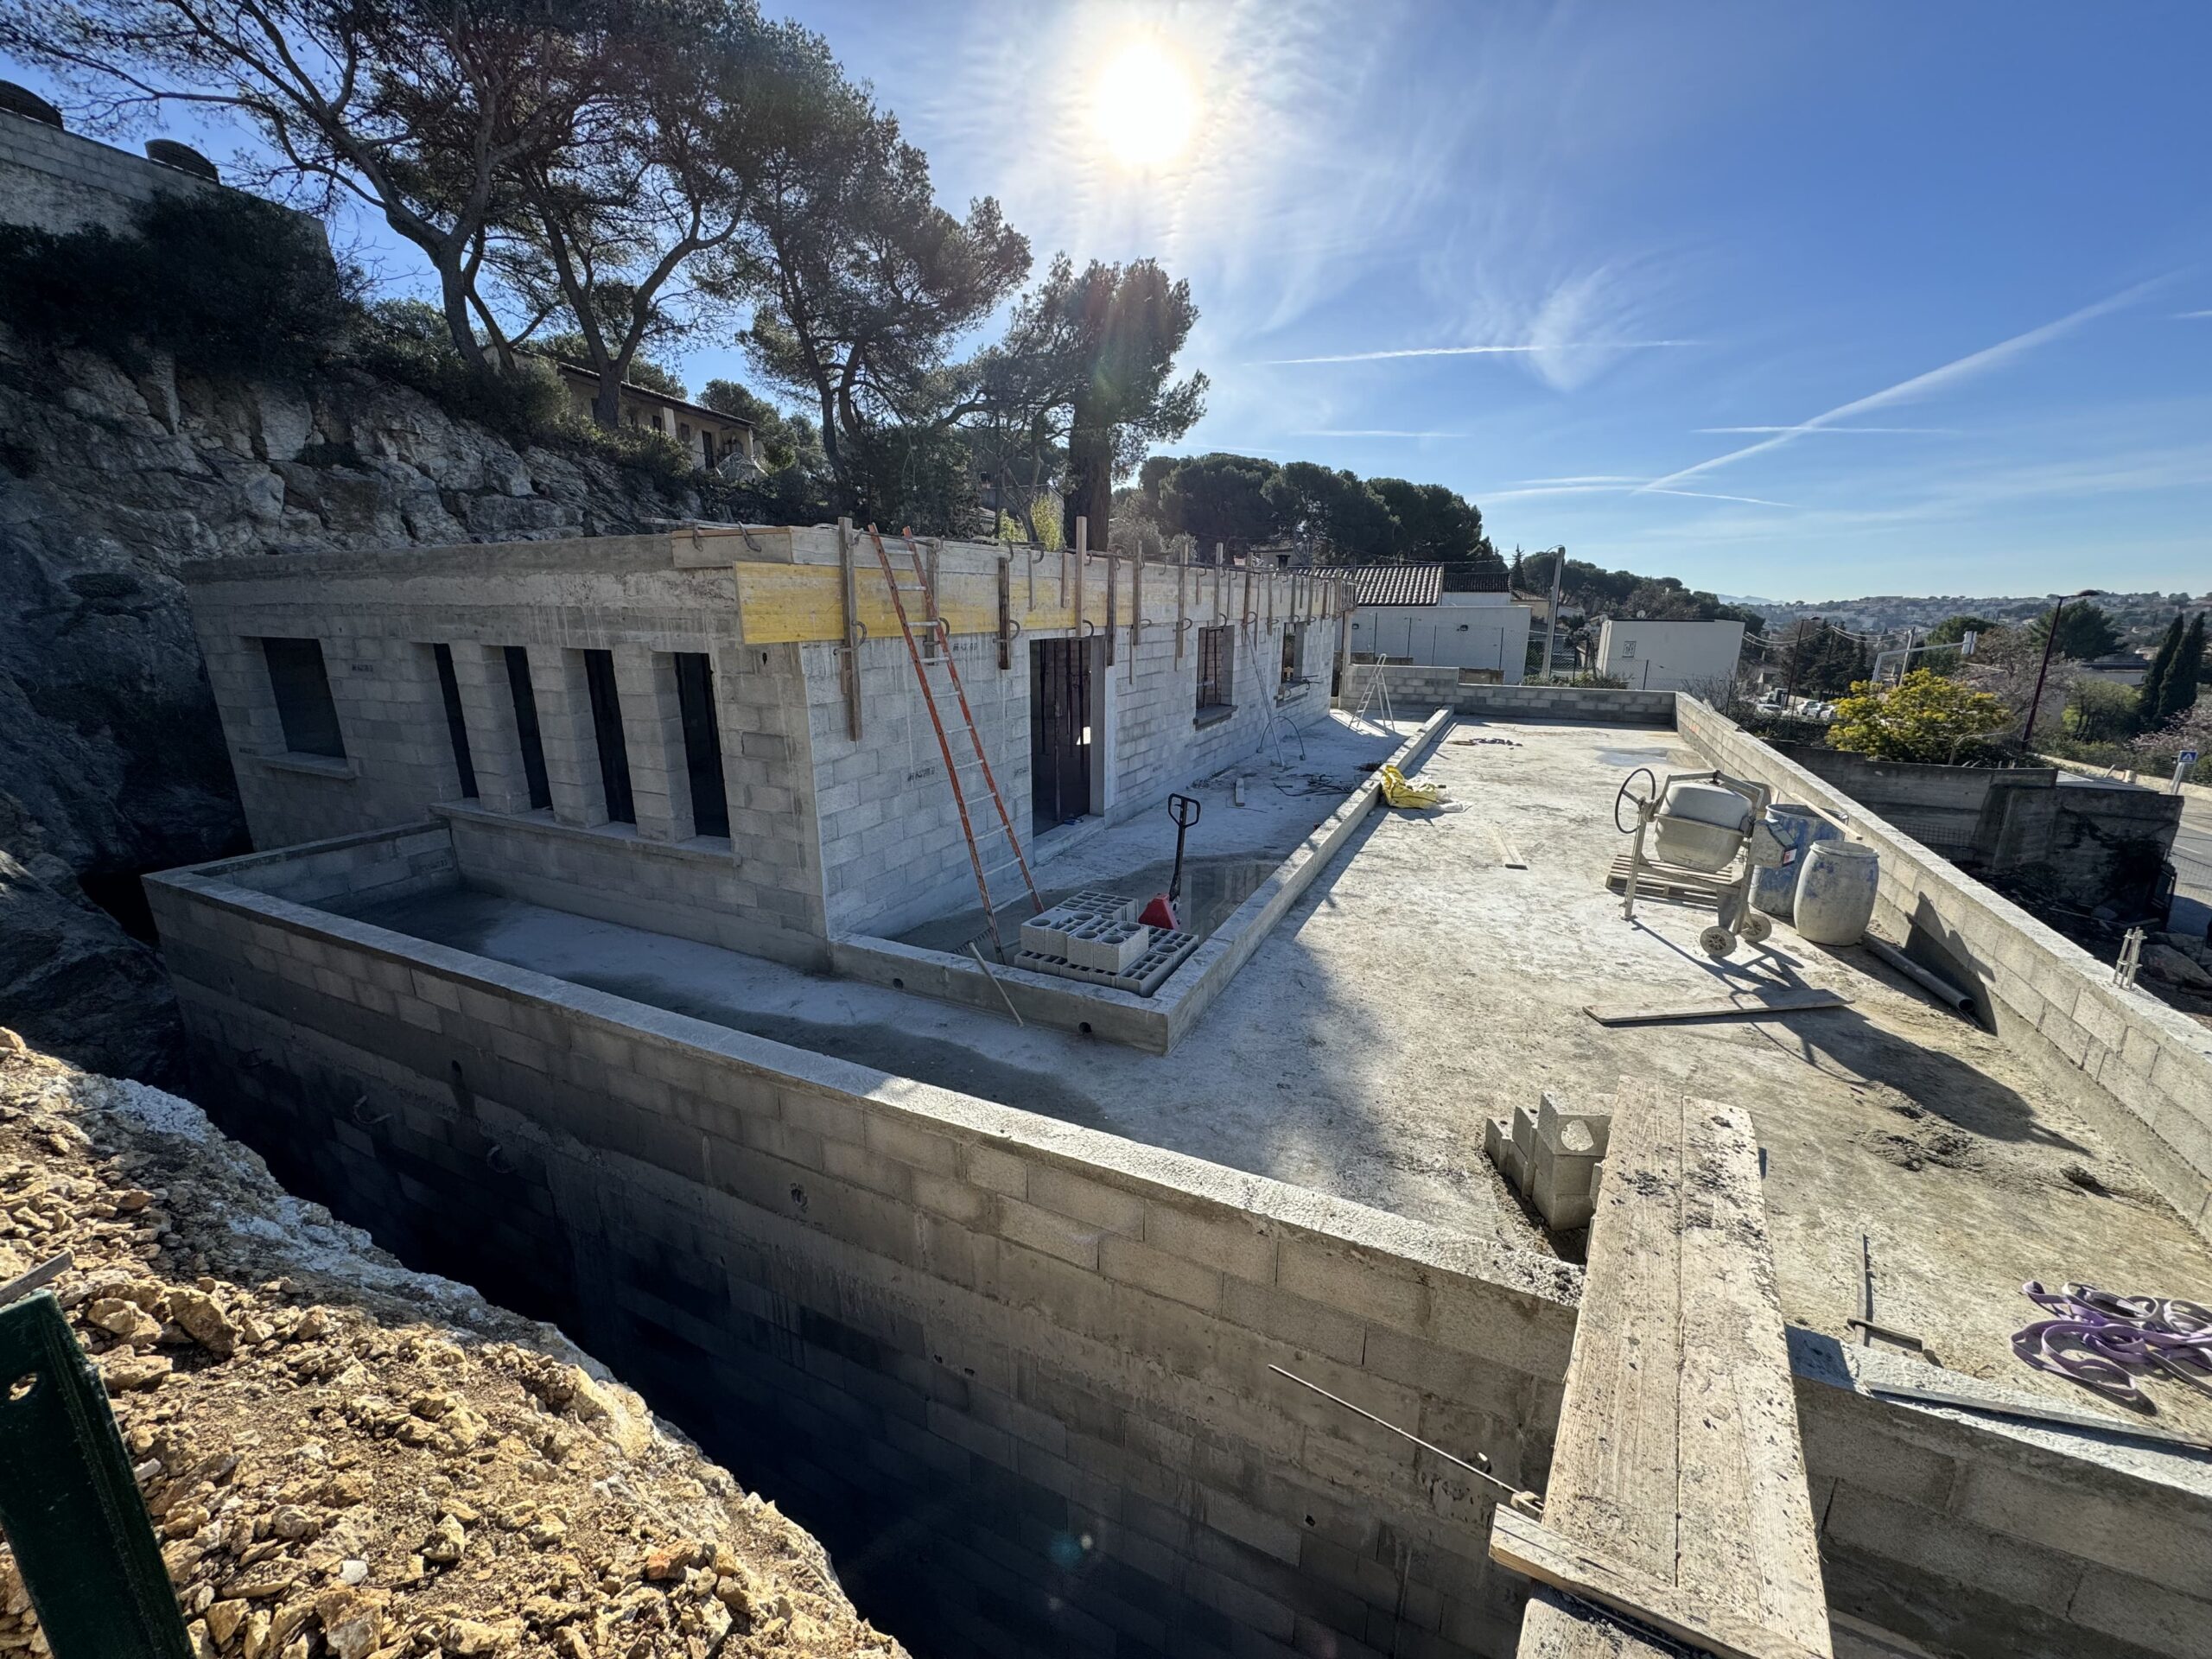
(955, 771)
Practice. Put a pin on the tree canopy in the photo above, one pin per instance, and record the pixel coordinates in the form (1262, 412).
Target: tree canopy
(2085, 632)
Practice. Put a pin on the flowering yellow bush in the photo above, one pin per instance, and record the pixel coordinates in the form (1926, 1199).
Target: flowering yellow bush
(1924, 717)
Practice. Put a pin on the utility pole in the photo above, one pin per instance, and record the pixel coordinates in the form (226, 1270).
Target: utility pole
(1797, 658)
(1551, 615)
(2049, 638)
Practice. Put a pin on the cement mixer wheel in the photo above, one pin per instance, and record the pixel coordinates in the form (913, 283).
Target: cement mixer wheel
(1755, 928)
(1717, 942)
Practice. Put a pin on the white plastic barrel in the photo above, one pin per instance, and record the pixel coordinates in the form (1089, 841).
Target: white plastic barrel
(1835, 893)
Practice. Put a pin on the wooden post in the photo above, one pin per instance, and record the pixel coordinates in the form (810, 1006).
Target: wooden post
(1182, 602)
(1005, 613)
(851, 665)
(1113, 604)
(1136, 608)
(1082, 540)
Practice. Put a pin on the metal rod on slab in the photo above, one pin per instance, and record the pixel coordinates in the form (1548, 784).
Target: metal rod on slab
(2038, 1412)
(1527, 1502)
(996, 986)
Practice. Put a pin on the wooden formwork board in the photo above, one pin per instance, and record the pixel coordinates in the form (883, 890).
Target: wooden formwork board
(1678, 1467)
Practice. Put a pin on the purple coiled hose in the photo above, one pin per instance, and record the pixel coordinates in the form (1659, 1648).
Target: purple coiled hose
(2106, 1341)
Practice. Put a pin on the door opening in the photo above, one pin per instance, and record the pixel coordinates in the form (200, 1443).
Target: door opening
(1060, 734)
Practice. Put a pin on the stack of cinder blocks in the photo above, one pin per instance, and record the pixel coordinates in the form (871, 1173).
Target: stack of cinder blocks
(1553, 1157)
(1097, 937)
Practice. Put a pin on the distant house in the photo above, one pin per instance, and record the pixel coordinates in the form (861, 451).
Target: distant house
(1651, 655)
(717, 441)
(1402, 614)
(2121, 668)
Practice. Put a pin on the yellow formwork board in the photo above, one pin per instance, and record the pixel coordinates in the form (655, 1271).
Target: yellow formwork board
(779, 604)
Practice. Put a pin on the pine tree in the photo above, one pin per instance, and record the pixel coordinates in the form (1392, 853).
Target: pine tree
(2151, 698)
(2179, 692)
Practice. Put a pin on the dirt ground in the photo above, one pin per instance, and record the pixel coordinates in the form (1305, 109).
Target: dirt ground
(346, 1458)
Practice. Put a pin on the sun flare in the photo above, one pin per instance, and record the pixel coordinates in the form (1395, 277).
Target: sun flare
(1147, 106)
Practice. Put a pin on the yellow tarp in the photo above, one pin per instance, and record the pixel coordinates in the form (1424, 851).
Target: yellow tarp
(1399, 790)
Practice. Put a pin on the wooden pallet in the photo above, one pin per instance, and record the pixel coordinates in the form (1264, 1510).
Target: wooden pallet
(1670, 881)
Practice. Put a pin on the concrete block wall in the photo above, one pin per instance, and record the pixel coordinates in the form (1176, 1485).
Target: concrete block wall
(350, 871)
(1417, 687)
(691, 891)
(1013, 1371)
(1162, 740)
(377, 616)
(390, 715)
(1938, 805)
(1991, 1539)
(1600, 704)
(2144, 1069)
(892, 848)
(55, 181)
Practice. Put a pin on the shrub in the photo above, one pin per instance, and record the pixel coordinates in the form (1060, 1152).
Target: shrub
(406, 340)
(1924, 717)
(227, 283)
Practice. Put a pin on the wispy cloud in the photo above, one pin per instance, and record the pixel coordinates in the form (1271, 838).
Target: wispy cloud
(1922, 385)
(2190, 316)
(1534, 349)
(1929, 431)
(1374, 432)
(1623, 487)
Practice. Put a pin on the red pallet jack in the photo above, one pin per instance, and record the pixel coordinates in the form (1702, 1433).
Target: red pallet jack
(1160, 911)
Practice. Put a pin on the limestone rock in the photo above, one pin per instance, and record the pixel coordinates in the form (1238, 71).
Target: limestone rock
(72, 981)
(111, 482)
(2164, 961)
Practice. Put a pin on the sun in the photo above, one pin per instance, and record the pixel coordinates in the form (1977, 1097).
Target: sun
(1145, 104)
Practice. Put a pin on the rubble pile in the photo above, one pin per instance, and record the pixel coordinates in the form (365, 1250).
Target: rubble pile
(345, 1459)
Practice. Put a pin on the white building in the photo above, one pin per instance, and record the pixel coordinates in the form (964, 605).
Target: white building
(1403, 615)
(1655, 656)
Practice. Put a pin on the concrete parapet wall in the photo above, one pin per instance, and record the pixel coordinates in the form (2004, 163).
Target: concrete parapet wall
(1414, 686)
(2145, 1069)
(1014, 1371)
(352, 870)
(1996, 1539)
(1600, 704)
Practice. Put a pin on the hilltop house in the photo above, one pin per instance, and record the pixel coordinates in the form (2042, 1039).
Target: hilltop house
(716, 441)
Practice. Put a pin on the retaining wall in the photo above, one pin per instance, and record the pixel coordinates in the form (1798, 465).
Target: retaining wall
(1013, 1372)
(56, 181)
(2145, 1069)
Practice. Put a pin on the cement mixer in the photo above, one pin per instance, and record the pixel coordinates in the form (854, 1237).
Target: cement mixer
(1698, 838)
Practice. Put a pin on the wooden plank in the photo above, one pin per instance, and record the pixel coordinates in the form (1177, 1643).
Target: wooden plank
(850, 625)
(1755, 1543)
(1678, 1462)
(1535, 1551)
(1614, 1013)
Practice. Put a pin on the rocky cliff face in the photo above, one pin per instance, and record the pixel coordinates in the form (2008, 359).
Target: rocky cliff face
(109, 481)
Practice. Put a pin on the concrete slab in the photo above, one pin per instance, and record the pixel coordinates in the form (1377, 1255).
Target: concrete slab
(1421, 986)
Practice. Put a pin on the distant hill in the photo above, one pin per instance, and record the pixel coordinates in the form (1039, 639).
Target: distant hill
(2139, 616)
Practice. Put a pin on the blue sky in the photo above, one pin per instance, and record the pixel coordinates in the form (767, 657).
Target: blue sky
(1801, 301)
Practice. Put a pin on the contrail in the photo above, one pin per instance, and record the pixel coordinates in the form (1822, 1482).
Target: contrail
(1476, 351)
